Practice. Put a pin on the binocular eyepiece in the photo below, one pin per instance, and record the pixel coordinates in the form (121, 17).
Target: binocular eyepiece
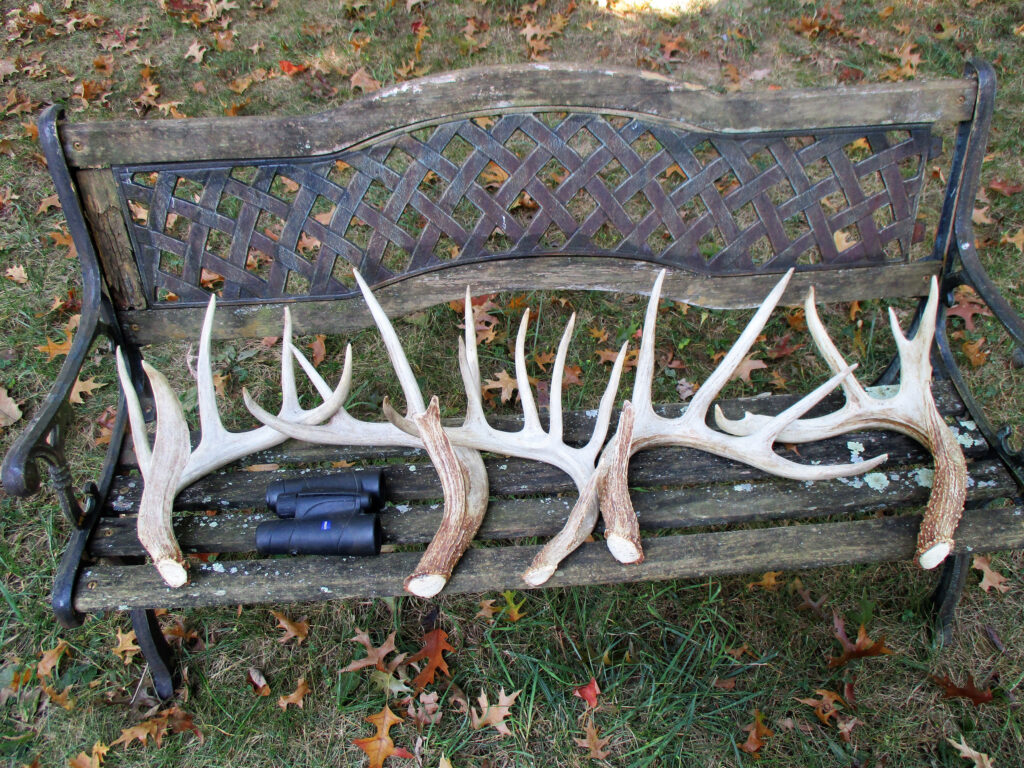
(327, 515)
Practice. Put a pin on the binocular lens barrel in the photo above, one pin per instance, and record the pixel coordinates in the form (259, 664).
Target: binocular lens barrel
(309, 505)
(354, 534)
(369, 482)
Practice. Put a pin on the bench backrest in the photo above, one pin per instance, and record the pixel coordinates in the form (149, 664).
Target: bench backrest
(512, 178)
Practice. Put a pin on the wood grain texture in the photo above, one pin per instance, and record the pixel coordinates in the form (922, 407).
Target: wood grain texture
(660, 509)
(256, 320)
(700, 555)
(511, 88)
(103, 210)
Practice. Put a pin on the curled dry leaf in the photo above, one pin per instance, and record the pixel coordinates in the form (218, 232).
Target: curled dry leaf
(50, 659)
(258, 682)
(981, 760)
(769, 582)
(9, 410)
(292, 629)
(863, 647)
(93, 760)
(757, 732)
(826, 707)
(588, 693)
(364, 81)
(17, 274)
(295, 697)
(427, 713)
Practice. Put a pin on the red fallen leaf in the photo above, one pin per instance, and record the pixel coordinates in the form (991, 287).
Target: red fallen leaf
(435, 643)
(588, 693)
(1005, 188)
(951, 690)
(968, 304)
(291, 69)
(863, 647)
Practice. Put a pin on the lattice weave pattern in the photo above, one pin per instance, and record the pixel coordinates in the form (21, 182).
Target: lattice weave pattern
(520, 185)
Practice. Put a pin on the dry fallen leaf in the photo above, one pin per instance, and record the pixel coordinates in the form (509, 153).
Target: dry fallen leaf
(9, 410)
(493, 714)
(295, 697)
(258, 682)
(593, 743)
(292, 629)
(980, 759)
(364, 81)
(863, 647)
(50, 659)
(80, 388)
(757, 732)
(17, 274)
(435, 643)
(951, 690)
(95, 760)
(126, 647)
(379, 747)
(769, 582)
(991, 578)
(588, 693)
(746, 367)
(428, 713)
(318, 349)
(503, 382)
(374, 656)
(487, 610)
(827, 706)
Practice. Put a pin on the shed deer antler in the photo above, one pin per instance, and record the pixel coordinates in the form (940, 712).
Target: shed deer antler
(640, 427)
(171, 464)
(461, 471)
(910, 411)
(532, 442)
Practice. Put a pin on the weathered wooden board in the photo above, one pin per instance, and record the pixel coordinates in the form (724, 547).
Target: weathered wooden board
(617, 275)
(511, 88)
(310, 579)
(516, 477)
(103, 209)
(692, 507)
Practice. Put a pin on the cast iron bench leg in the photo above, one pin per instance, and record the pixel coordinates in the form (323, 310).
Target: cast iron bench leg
(947, 595)
(157, 652)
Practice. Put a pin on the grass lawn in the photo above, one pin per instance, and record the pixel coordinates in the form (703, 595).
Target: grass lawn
(682, 667)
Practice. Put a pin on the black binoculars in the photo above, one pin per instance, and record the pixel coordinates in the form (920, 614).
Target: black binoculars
(327, 515)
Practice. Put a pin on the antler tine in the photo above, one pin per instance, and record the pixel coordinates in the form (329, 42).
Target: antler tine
(531, 419)
(410, 387)
(911, 411)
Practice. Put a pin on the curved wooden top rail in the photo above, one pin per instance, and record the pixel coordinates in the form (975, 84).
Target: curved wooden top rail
(507, 89)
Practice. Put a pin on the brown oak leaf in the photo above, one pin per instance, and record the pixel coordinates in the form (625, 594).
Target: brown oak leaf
(757, 732)
(951, 690)
(374, 656)
(379, 747)
(827, 706)
(435, 643)
(295, 697)
(592, 743)
(493, 714)
(991, 578)
(292, 629)
(862, 648)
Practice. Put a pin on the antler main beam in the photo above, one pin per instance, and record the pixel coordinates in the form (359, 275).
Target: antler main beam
(911, 411)
(171, 464)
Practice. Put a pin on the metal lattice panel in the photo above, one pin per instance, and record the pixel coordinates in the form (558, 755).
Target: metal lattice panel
(521, 185)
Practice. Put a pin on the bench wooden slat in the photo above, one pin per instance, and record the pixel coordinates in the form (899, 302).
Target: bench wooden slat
(312, 579)
(338, 315)
(720, 504)
(510, 476)
(510, 88)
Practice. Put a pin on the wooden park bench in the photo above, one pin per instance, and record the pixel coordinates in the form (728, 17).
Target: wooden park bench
(629, 173)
